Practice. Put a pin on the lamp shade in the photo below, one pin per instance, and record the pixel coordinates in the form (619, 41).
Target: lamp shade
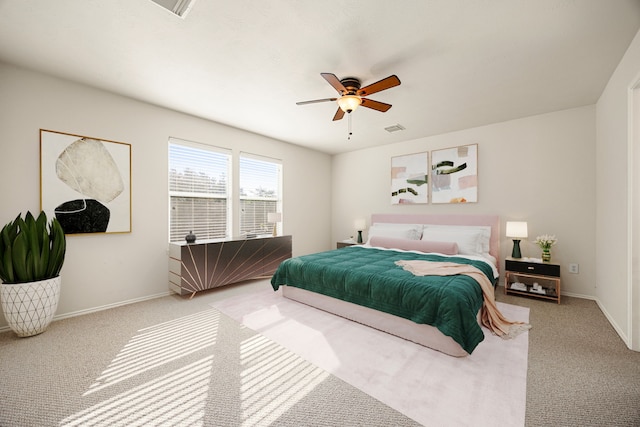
(273, 217)
(348, 103)
(360, 224)
(517, 229)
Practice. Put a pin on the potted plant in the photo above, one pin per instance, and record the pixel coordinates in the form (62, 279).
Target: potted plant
(545, 242)
(32, 253)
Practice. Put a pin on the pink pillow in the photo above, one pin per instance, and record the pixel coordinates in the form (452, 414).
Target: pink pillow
(446, 248)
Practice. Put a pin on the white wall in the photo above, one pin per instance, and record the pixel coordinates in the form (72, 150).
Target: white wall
(102, 270)
(540, 169)
(537, 169)
(613, 172)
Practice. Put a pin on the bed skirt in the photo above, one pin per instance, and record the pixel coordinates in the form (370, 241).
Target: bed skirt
(426, 335)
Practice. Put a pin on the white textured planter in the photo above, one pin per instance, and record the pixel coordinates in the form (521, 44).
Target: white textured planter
(29, 307)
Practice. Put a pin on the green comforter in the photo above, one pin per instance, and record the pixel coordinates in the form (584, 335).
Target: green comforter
(369, 277)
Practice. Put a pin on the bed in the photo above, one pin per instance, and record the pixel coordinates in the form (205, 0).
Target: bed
(364, 284)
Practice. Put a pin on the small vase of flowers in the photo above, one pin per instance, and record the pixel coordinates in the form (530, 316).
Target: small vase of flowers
(545, 242)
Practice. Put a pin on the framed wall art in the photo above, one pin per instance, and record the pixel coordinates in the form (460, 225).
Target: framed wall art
(85, 182)
(410, 178)
(454, 175)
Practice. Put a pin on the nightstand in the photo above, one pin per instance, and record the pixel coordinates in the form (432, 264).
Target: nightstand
(521, 277)
(344, 244)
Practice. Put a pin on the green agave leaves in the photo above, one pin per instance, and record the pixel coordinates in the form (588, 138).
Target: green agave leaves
(31, 249)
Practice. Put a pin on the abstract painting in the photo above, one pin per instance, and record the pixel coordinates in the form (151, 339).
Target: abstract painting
(85, 182)
(410, 178)
(454, 175)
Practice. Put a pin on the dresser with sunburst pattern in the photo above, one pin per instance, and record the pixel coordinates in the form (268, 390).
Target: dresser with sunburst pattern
(195, 267)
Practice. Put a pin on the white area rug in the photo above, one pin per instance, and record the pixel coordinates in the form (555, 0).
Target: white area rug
(487, 388)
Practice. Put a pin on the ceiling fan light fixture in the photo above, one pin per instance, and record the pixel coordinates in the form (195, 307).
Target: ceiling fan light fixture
(348, 103)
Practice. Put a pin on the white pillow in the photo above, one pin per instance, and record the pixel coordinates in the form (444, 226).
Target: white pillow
(484, 241)
(399, 231)
(468, 240)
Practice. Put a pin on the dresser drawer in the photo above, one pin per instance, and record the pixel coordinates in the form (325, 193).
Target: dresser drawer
(545, 269)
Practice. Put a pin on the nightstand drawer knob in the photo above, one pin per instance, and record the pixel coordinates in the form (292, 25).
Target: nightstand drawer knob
(530, 268)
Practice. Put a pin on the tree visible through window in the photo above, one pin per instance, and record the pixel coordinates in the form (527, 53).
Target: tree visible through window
(199, 191)
(260, 182)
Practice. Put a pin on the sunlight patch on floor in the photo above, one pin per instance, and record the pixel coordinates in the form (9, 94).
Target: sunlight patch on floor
(178, 398)
(158, 345)
(273, 381)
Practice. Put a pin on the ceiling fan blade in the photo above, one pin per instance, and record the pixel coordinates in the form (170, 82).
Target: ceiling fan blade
(314, 101)
(376, 105)
(335, 82)
(380, 85)
(339, 114)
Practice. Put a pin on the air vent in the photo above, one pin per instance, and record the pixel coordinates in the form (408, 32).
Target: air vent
(177, 7)
(394, 128)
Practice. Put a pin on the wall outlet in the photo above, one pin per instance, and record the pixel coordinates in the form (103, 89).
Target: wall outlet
(574, 268)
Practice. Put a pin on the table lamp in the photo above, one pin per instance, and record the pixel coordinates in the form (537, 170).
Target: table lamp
(360, 225)
(274, 218)
(516, 230)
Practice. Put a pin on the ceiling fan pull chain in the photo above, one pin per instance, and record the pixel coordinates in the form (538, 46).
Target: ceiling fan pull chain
(350, 133)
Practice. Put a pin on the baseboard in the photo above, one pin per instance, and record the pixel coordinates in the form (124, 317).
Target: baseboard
(100, 308)
(609, 318)
(615, 326)
(575, 295)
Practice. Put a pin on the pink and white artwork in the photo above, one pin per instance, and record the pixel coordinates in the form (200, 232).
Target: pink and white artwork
(410, 179)
(454, 175)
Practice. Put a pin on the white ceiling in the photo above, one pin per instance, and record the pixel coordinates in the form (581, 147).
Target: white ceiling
(245, 63)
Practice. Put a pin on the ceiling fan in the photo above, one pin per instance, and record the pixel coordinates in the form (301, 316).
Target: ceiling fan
(352, 95)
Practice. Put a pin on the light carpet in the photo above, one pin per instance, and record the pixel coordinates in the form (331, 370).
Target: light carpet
(486, 388)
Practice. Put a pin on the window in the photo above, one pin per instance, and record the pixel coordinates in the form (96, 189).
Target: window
(260, 193)
(199, 191)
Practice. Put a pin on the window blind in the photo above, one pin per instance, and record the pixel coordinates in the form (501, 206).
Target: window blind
(260, 193)
(199, 191)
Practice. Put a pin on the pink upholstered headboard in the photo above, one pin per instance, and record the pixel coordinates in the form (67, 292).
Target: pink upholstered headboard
(459, 219)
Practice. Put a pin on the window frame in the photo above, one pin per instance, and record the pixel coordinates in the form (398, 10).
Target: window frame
(278, 199)
(228, 224)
